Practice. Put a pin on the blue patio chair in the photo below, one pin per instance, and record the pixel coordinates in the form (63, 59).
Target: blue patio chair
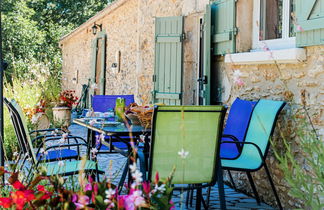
(256, 144)
(236, 126)
(103, 103)
(53, 155)
(71, 167)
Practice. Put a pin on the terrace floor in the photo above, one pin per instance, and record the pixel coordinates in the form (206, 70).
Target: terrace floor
(114, 163)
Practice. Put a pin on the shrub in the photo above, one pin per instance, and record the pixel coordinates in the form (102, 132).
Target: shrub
(304, 170)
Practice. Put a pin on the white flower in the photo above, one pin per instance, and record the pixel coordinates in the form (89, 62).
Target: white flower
(138, 199)
(15, 154)
(183, 154)
(34, 119)
(61, 141)
(65, 135)
(109, 193)
(237, 74)
(94, 151)
(133, 167)
(92, 122)
(60, 163)
(42, 151)
(159, 188)
(94, 86)
(102, 137)
(137, 175)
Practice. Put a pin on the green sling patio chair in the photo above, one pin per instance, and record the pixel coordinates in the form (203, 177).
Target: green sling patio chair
(70, 167)
(53, 155)
(193, 129)
(257, 142)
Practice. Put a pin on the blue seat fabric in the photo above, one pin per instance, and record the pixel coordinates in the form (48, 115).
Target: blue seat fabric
(236, 125)
(103, 103)
(58, 154)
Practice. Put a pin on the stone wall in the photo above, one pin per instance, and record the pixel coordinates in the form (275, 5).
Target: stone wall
(129, 25)
(297, 84)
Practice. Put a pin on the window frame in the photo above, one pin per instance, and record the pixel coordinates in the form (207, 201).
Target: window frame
(285, 42)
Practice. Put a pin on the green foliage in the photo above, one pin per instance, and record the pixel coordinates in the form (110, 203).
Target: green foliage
(304, 170)
(31, 32)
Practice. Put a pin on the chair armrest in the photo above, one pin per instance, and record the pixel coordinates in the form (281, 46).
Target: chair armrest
(239, 147)
(43, 130)
(45, 136)
(230, 136)
(68, 137)
(246, 142)
(66, 145)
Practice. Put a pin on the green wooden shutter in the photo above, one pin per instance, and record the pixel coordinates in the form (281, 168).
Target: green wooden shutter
(98, 59)
(223, 23)
(207, 55)
(310, 17)
(168, 60)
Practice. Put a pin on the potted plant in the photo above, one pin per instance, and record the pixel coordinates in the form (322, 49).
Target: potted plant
(62, 109)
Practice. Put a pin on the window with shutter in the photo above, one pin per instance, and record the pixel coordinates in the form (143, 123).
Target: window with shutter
(310, 20)
(168, 60)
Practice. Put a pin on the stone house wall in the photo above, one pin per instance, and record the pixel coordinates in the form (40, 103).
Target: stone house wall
(132, 33)
(129, 25)
(296, 84)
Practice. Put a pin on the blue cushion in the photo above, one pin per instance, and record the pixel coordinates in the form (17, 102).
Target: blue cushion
(58, 154)
(120, 145)
(103, 103)
(236, 125)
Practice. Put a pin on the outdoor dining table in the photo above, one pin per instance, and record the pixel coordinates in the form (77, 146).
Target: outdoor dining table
(116, 130)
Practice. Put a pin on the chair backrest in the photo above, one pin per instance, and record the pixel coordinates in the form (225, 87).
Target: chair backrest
(261, 127)
(193, 129)
(102, 103)
(19, 122)
(236, 125)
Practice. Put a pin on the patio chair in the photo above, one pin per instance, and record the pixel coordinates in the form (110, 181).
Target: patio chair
(54, 154)
(236, 126)
(52, 168)
(256, 144)
(194, 129)
(103, 103)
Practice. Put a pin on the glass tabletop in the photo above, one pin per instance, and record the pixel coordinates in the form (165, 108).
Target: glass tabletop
(108, 126)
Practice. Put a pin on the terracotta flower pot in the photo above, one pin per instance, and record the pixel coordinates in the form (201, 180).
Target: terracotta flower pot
(62, 115)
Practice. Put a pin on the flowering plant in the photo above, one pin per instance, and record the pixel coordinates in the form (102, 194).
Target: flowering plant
(38, 108)
(67, 98)
(48, 193)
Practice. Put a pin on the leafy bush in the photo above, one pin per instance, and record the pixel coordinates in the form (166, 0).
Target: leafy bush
(27, 93)
(304, 170)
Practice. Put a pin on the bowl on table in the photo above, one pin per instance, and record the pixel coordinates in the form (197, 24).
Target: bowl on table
(133, 118)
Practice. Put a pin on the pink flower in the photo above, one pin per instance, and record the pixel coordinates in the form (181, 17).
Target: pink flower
(83, 200)
(88, 187)
(172, 207)
(157, 178)
(238, 82)
(146, 187)
(299, 28)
